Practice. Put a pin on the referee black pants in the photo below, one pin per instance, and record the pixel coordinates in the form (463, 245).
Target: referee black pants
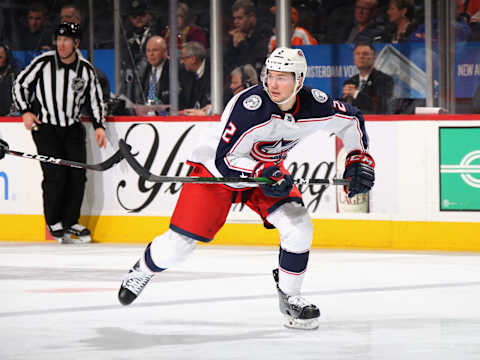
(63, 187)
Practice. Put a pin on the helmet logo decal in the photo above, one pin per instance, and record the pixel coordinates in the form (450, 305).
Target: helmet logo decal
(253, 102)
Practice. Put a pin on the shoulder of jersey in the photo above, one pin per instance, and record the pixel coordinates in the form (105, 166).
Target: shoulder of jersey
(253, 98)
(318, 95)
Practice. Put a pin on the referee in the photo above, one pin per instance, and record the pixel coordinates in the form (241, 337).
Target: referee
(49, 93)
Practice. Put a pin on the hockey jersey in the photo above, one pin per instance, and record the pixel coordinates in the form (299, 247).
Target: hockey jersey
(253, 129)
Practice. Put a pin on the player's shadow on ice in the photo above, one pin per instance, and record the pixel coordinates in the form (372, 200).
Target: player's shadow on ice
(110, 338)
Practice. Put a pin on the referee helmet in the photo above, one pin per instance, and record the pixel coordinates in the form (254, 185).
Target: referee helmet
(68, 29)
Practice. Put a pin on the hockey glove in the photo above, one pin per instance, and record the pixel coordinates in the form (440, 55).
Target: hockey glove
(3, 147)
(359, 169)
(283, 181)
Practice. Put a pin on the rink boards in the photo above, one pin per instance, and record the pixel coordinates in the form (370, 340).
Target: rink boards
(426, 196)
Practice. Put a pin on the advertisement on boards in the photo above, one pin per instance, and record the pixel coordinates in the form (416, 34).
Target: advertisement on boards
(459, 168)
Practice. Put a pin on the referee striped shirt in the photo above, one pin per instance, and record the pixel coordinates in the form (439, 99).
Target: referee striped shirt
(59, 89)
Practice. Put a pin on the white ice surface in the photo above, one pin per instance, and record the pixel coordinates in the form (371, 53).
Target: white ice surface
(60, 302)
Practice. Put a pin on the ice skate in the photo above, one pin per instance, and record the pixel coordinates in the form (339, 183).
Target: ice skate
(77, 234)
(133, 284)
(57, 232)
(299, 313)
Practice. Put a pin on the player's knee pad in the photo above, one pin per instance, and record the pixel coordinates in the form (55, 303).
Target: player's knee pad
(295, 227)
(170, 249)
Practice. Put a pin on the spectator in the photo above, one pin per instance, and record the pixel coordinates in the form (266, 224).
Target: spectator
(300, 36)
(366, 26)
(71, 13)
(187, 30)
(400, 14)
(137, 31)
(241, 78)
(463, 31)
(196, 87)
(248, 40)
(153, 86)
(8, 72)
(371, 90)
(38, 35)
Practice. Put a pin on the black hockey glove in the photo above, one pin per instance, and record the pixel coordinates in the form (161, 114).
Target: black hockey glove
(359, 169)
(3, 147)
(283, 181)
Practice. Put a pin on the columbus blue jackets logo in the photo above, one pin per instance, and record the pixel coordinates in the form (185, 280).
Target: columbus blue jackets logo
(253, 102)
(319, 95)
(272, 150)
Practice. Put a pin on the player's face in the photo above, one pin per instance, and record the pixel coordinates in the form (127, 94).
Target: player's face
(280, 85)
(65, 47)
(156, 53)
(363, 57)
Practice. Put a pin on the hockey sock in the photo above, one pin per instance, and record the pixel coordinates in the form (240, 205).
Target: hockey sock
(292, 271)
(167, 250)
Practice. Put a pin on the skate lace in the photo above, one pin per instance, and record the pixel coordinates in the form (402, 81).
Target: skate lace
(298, 301)
(136, 281)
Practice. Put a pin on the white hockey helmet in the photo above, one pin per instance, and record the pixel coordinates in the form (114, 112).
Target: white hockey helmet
(287, 60)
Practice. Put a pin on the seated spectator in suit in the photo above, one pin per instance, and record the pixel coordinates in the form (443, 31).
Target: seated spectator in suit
(367, 24)
(300, 36)
(38, 35)
(153, 86)
(187, 30)
(8, 72)
(248, 41)
(400, 15)
(371, 90)
(241, 78)
(196, 87)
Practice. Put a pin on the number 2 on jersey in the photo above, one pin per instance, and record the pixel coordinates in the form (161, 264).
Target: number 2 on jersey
(339, 106)
(228, 133)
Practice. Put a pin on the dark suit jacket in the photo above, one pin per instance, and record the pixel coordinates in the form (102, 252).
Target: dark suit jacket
(197, 91)
(376, 96)
(162, 88)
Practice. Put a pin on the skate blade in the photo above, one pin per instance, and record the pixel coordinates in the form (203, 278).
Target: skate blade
(302, 324)
(69, 239)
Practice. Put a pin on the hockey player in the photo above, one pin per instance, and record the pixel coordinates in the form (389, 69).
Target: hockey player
(258, 128)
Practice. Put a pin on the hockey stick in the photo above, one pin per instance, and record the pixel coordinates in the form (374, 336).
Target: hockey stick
(147, 175)
(105, 165)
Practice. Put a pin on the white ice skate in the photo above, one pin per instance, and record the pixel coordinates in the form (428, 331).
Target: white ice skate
(77, 234)
(299, 313)
(133, 284)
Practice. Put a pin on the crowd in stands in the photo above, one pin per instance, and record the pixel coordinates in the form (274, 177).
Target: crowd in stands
(249, 36)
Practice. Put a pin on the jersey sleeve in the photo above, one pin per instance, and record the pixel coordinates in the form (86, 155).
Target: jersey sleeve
(348, 124)
(24, 85)
(239, 132)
